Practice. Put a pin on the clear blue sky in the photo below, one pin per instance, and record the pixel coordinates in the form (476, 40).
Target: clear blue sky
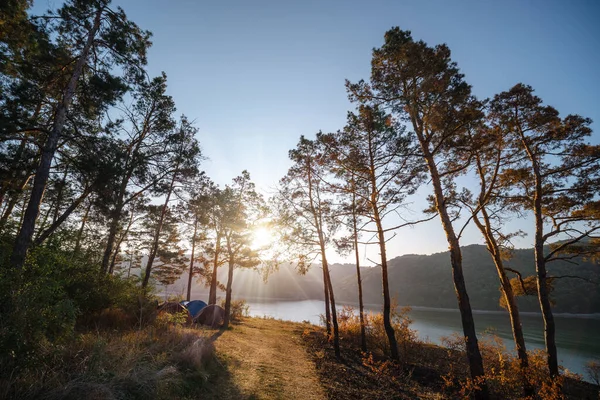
(255, 75)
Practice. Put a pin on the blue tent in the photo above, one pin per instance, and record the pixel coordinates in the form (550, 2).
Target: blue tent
(195, 306)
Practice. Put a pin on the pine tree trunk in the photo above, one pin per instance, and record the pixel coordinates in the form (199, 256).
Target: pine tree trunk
(228, 293)
(540, 264)
(81, 229)
(14, 199)
(336, 332)
(112, 235)
(509, 296)
(212, 294)
(327, 308)
(542, 285)
(464, 305)
(363, 335)
(60, 220)
(25, 236)
(156, 241)
(191, 274)
(387, 323)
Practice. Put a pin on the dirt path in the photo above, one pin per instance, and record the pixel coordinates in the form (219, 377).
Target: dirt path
(263, 359)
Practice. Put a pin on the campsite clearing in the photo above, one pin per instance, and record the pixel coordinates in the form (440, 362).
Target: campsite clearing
(262, 359)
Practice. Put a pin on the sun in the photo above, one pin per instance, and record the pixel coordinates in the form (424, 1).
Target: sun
(262, 237)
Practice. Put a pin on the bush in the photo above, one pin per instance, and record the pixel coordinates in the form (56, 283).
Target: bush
(349, 327)
(503, 373)
(41, 304)
(239, 309)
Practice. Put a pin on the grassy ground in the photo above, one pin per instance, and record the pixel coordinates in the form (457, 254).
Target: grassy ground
(263, 359)
(254, 359)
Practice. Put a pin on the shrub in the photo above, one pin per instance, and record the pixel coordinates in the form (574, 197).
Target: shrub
(349, 327)
(503, 373)
(592, 368)
(239, 309)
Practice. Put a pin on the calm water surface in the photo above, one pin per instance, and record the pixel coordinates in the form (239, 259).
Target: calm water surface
(578, 339)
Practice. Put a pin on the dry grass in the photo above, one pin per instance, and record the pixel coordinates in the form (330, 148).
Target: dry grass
(147, 364)
(264, 359)
(427, 371)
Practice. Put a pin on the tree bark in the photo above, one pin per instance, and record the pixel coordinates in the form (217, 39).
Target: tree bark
(363, 335)
(212, 294)
(542, 285)
(120, 241)
(327, 308)
(25, 236)
(326, 277)
(14, 199)
(540, 264)
(191, 274)
(509, 296)
(387, 323)
(228, 292)
(60, 220)
(464, 305)
(154, 249)
(336, 332)
(81, 229)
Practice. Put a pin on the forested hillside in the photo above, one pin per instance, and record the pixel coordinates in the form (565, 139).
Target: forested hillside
(423, 281)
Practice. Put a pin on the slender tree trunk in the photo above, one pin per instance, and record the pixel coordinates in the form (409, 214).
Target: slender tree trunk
(464, 305)
(542, 285)
(154, 249)
(81, 229)
(363, 335)
(509, 297)
(59, 195)
(60, 220)
(14, 199)
(191, 274)
(25, 236)
(120, 241)
(336, 332)
(212, 294)
(540, 264)
(387, 323)
(228, 292)
(327, 308)
(112, 235)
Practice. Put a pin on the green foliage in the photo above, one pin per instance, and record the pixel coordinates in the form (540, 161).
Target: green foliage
(42, 302)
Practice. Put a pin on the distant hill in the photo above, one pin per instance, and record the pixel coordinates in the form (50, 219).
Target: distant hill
(421, 280)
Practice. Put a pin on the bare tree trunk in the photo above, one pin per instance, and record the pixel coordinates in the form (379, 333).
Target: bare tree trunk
(336, 332)
(509, 296)
(59, 195)
(212, 294)
(228, 293)
(464, 305)
(154, 249)
(60, 220)
(363, 335)
(25, 236)
(81, 228)
(387, 323)
(191, 274)
(540, 265)
(14, 199)
(327, 308)
(112, 235)
(542, 285)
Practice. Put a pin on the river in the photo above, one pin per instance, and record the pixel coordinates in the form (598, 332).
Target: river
(577, 337)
